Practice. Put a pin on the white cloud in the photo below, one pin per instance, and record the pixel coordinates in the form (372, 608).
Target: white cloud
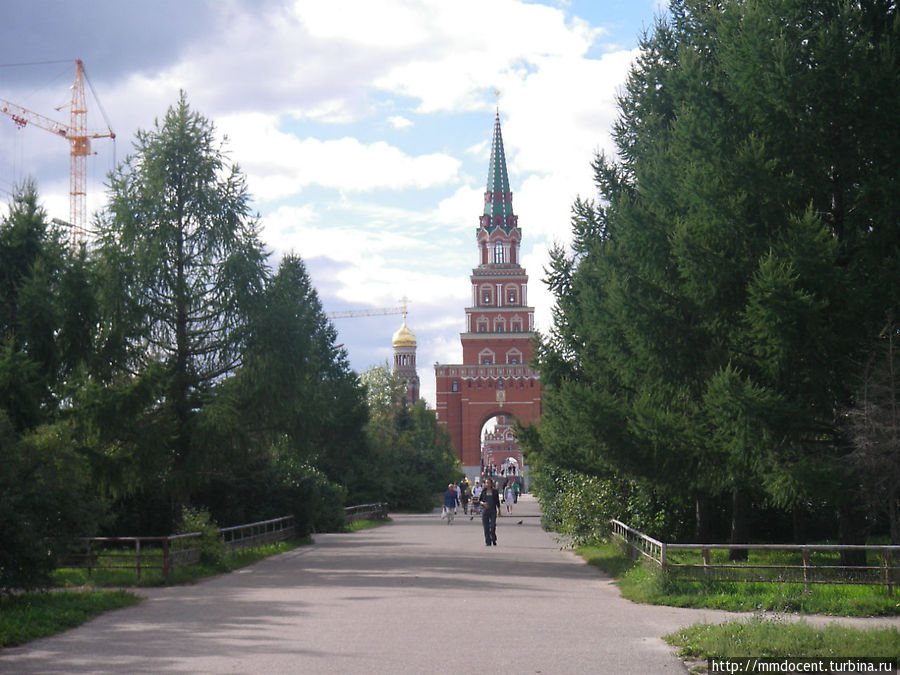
(280, 164)
(373, 24)
(399, 122)
(357, 205)
(474, 47)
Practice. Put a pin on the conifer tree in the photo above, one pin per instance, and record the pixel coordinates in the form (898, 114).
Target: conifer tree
(743, 252)
(183, 263)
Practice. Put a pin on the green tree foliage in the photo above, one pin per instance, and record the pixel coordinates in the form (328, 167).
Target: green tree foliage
(165, 364)
(411, 455)
(46, 500)
(286, 432)
(46, 485)
(183, 262)
(874, 428)
(743, 251)
(210, 543)
(36, 341)
(297, 381)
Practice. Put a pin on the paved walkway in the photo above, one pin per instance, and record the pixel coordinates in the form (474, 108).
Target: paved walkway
(413, 596)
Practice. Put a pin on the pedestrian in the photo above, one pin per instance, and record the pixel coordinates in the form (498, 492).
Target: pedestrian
(516, 491)
(508, 497)
(476, 495)
(490, 503)
(450, 503)
(464, 497)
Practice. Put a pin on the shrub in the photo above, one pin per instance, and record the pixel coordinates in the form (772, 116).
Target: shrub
(212, 548)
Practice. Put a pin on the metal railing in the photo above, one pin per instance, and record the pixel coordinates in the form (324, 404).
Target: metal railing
(805, 563)
(639, 542)
(254, 535)
(182, 550)
(366, 511)
(168, 553)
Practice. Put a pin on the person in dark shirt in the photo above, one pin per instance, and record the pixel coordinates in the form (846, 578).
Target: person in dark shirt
(490, 503)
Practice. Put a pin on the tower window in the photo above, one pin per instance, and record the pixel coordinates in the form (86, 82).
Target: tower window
(511, 297)
(454, 386)
(486, 298)
(498, 252)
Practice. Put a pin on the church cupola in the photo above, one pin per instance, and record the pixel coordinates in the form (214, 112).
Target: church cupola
(404, 344)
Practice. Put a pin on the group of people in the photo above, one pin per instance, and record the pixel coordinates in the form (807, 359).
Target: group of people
(505, 469)
(487, 500)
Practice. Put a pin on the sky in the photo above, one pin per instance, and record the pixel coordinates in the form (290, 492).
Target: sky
(363, 128)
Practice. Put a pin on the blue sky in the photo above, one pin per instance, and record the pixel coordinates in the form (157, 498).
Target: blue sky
(363, 127)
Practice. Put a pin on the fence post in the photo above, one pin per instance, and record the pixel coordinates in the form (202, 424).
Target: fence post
(705, 562)
(888, 577)
(166, 559)
(90, 560)
(804, 553)
(662, 555)
(137, 554)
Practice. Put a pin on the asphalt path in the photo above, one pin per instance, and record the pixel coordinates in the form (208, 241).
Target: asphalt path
(413, 596)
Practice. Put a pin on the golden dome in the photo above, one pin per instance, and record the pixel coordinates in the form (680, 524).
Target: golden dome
(404, 337)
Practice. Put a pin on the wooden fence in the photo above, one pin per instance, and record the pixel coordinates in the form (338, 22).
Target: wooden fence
(168, 553)
(182, 550)
(803, 563)
(134, 553)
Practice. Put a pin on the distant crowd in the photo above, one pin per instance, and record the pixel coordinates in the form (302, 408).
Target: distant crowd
(509, 486)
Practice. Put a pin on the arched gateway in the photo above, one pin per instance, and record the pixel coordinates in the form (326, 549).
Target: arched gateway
(494, 377)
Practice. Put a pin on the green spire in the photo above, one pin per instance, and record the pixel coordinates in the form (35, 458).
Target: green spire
(498, 210)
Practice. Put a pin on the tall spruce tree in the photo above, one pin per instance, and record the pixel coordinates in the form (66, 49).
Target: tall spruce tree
(296, 383)
(183, 260)
(46, 486)
(743, 252)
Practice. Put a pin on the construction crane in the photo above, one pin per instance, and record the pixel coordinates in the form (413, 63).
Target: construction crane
(382, 311)
(79, 145)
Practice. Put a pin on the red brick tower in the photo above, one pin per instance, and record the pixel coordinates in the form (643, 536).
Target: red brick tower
(494, 377)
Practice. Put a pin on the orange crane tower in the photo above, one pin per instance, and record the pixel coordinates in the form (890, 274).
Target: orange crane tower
(79, 145)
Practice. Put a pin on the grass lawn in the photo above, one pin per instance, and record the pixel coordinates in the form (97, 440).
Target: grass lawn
(77, 577)
(773, 638)
(757, 637)
(364, 524)
(29, 616)
(641, 582)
